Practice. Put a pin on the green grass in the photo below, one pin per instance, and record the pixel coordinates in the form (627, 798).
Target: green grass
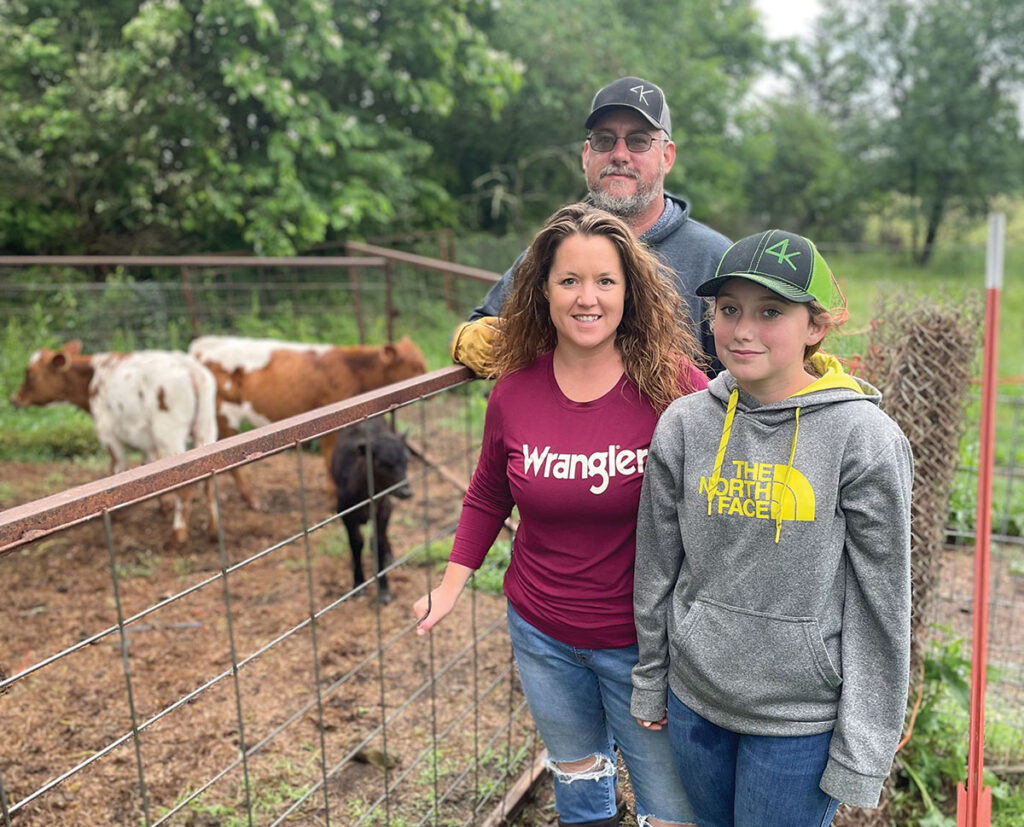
(956, 273)
(490, 576)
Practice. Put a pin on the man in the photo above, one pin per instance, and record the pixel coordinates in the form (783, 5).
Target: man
(626, 156)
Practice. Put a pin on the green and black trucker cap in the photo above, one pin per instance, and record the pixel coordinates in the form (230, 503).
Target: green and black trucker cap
(785, 263)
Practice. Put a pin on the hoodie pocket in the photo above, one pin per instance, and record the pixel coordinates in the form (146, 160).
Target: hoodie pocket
(758, 666)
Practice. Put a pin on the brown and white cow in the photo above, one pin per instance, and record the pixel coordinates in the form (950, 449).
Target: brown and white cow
(151, 400)
(265, 380)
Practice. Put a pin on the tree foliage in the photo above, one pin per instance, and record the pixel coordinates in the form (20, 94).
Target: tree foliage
(924, 91)
(225, 124)
(265, 125)
(797, 172)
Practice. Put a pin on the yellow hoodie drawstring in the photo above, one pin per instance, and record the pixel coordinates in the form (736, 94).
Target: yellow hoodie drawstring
(785, 484)
(716, 474)
(723, 443)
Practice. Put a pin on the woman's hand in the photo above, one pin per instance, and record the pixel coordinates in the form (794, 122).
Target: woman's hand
(432, 608)
(653, 724)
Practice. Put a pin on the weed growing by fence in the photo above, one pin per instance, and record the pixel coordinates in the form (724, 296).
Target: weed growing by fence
(932, 763)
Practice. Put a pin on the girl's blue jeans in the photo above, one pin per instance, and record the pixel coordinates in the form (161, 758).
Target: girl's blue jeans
(738, 780)
(579, 699)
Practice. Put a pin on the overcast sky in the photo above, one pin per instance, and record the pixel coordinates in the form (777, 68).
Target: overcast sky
(787, 18)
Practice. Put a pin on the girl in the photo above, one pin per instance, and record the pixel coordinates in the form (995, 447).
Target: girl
(591, 350)
(772, 588)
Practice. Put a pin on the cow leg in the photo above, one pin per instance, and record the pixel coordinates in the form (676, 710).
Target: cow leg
(180, 499)
(326, 450)
(179, 523)
(243, 488)
(226, 429)
(115, 451)
(117, 456)
(355, 544)
(211, 500)
(384, 555)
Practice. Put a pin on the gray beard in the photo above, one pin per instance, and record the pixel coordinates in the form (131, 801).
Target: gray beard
(628, 206)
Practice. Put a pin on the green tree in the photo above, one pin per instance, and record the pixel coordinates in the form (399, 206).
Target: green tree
(224, 124)
(928, 93)
(797, 173)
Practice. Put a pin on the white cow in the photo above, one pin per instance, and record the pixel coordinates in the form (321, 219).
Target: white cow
(152, 400)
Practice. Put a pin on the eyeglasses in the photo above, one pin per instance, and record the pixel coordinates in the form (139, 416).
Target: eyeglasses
(635, 141)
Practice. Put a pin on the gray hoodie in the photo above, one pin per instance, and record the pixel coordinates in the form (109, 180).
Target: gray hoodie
(769, 621)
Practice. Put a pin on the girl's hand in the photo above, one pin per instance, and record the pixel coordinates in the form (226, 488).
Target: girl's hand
(654, 725)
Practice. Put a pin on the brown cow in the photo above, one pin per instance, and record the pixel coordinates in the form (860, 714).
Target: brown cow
(265, 380)
(152, 400)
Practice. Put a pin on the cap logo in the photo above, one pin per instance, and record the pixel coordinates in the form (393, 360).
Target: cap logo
(779, 251)
(641, 90)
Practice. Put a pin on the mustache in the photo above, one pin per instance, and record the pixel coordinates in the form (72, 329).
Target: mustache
(618, 169)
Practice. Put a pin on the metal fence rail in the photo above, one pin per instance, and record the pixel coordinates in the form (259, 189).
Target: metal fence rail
(275, 693)
(214, 294)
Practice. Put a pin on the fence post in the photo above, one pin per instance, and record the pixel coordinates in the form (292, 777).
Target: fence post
(186, 291)
(974, 802)
(444, 240)
(389, 299)
(357, 304)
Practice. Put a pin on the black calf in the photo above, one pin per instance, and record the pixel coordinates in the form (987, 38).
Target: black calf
(348, 469)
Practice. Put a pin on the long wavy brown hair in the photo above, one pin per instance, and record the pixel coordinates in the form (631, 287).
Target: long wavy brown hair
(654, 336)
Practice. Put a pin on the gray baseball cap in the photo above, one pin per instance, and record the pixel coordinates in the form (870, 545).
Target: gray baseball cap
(633, 93)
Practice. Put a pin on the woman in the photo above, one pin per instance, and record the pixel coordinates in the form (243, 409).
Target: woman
(593, 348)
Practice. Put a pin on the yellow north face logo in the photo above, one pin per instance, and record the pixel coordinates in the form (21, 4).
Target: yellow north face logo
(759, 489)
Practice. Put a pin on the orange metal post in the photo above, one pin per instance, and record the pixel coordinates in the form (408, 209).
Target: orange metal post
(974, 802)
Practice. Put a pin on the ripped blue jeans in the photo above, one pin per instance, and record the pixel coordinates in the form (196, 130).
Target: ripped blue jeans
(579, 699)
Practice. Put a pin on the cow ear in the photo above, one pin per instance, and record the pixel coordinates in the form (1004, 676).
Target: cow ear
(390, 353)
(59, 360)
(72, 348)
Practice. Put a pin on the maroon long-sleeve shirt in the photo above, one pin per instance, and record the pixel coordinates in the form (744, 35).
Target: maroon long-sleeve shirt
(574, 469)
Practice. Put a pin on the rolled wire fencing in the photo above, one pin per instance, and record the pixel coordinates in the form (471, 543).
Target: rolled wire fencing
(247, 679)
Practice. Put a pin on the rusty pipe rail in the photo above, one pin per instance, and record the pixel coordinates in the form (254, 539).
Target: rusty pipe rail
(30, 521)
(425, 263)
(259, 262)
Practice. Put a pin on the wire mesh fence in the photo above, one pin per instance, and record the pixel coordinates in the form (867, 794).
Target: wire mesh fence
(349, 299)
(248, 679)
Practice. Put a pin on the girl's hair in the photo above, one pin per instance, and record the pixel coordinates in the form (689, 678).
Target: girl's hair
(653, 337)
(820, 315)
(828, 319)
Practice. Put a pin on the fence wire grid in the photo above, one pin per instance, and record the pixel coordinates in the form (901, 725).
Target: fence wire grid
(366, 724)
(247, 679)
